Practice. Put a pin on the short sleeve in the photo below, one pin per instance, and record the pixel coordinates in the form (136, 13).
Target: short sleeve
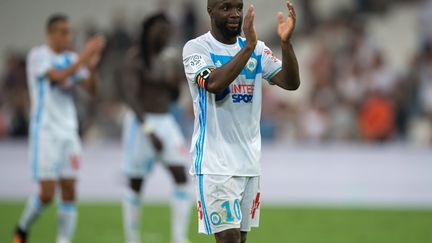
(38, 63)
(196, 58)
(271, 64)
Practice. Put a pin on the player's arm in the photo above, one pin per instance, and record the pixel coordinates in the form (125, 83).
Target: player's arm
(92, 46)
(90, 83)
(217, 80)
(288, 78)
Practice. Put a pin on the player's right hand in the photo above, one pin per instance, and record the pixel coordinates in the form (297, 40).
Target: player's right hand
(249, 27)
(93, 46)
(157, 143)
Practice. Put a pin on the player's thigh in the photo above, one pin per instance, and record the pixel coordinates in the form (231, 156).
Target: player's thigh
(219, 200)
(251, 204)
(228, 236)
(70, 162)
(45, 156)
(138, 153)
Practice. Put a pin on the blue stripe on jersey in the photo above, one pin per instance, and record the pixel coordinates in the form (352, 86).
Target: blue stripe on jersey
(199, 150)
(242, 43)
(222, 59)
(202, 121)
(67, 61)
(36, 127)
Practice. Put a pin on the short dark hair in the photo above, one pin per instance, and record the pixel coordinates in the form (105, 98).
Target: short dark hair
(54, 19)
(146, 25)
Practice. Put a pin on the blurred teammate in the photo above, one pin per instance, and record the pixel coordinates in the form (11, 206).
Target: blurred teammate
(53, 73)
(152, 79)
(225, 73)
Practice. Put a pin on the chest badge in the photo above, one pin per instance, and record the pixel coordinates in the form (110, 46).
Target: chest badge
(251, 65)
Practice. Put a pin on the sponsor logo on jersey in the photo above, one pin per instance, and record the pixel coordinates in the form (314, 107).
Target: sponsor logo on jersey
(242, 93)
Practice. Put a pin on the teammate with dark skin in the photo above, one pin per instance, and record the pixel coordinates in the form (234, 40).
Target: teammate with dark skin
(226, 25)
(148, 88)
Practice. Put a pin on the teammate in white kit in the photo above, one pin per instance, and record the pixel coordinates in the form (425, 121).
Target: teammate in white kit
(152, 79)
(225, 73)
(53, 73)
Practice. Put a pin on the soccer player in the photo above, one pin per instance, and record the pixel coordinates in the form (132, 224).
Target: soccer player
(152, 79)
(53, 73)
(225, 73)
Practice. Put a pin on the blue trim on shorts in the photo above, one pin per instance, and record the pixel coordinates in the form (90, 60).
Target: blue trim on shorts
(204, 210)
(35, 130)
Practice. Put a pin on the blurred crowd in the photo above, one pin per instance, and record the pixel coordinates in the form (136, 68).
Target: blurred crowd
(355, 95)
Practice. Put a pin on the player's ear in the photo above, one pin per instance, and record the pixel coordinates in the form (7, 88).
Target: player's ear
(209, 10)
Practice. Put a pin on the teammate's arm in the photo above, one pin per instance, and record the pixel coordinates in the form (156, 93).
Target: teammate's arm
(132, 81)
(288, 78)
(89, 84)
(92, 46)
(220, 78)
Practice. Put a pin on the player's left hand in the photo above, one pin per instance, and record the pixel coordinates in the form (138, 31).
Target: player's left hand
(99, 46)
(286, 27)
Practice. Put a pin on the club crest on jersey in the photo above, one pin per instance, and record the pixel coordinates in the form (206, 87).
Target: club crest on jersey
(251, 65)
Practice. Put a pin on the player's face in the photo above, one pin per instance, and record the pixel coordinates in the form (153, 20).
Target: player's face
(228, 17)
(61, 35)
(160, 34)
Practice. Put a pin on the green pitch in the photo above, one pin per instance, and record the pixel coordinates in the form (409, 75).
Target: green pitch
(101, 223)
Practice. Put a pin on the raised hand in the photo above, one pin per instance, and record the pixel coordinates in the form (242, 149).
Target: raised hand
(93, 46)
(249, 27)
(286, 26)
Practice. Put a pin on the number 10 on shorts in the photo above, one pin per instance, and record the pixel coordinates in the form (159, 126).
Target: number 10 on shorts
(233, 213)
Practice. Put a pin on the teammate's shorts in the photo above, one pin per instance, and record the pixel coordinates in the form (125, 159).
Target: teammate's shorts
(54, 157)
(227, 202)
(139, 153)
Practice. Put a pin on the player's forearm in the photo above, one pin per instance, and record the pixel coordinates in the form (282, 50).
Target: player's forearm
(222, 77)
(290, 70)
(90, 85)
(60, 76)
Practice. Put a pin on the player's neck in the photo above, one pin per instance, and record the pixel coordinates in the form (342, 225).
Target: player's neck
(222, 38)
(54, 48)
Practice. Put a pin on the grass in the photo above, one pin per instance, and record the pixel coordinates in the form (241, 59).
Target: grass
(101, 222)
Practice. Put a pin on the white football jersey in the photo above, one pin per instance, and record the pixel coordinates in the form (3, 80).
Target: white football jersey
(227, 138)
(53, 109)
